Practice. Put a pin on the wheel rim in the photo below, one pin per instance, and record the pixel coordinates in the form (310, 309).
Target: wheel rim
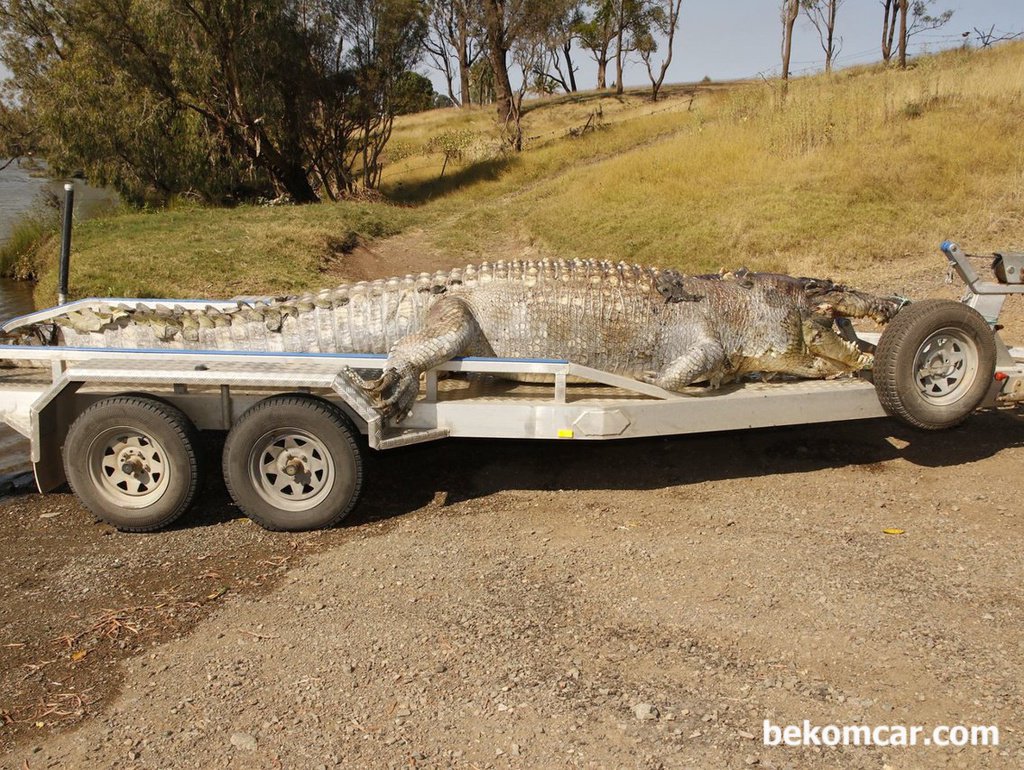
(946, 366)
(129, 467)
(291, 469)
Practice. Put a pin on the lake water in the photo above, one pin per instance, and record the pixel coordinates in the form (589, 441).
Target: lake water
(23, 190)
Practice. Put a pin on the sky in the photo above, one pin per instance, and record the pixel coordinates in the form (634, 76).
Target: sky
(727, 39)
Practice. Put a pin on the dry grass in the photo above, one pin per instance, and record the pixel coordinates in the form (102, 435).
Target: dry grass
(868, 167)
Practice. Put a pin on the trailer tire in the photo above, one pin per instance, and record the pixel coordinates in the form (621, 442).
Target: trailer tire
(292, 463)
(133, 462)
(934, 363)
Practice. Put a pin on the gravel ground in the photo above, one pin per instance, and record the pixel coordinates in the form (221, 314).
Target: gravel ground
(516, 604)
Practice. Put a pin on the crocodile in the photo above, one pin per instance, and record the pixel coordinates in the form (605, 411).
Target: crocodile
(660, 326)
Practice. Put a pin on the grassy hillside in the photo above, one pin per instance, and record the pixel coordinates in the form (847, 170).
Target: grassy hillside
(870, 168)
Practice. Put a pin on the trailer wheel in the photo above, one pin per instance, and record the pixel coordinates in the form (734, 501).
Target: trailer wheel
(132, 461)
(934, 363)
(292, 463)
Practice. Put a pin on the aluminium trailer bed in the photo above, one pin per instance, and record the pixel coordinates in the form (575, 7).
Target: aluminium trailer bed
(120, 425)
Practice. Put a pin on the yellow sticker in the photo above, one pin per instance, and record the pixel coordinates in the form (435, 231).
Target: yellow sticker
(893, 531)
(565, 433)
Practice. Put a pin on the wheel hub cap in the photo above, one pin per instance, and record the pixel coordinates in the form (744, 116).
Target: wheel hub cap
(129, 467)
(291, 469)
(945, 364)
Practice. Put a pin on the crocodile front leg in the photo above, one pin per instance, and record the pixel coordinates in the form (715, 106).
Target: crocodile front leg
(704, 361)
(448, 331)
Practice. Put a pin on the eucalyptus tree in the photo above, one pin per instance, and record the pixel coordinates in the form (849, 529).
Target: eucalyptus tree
(218, 97)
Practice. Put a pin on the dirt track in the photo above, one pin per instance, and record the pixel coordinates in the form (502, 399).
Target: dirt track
(509, 604)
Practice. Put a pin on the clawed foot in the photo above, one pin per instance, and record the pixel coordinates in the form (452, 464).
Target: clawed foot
(392, 393)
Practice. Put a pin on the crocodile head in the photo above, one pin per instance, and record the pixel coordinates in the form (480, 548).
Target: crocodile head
(832, 300)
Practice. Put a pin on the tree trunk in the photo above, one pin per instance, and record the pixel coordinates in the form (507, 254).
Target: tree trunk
(290, 175)
(451, 88)
(280, 164)
(567, 50)
(888, 28)
(464, 65)
(674, 7)
(904, 6)
(497, 54)
(792, 10)
(602, 67)
(618, 46)
(831, 33)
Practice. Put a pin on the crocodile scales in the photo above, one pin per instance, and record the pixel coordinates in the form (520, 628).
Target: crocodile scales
(661, 326)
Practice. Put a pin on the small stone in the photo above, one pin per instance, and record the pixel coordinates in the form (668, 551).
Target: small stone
(750, 759)
(244, 741)
(645, 712)
(744, 734)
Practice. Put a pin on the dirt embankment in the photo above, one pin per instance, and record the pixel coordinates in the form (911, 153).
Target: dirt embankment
(517, 604)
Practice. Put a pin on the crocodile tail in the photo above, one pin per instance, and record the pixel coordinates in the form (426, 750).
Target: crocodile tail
(37, 334)
(367, 317)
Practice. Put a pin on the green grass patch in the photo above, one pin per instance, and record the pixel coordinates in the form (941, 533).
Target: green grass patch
(21, 256)
(218, 252)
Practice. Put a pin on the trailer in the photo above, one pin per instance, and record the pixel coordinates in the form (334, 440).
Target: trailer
(121, 426)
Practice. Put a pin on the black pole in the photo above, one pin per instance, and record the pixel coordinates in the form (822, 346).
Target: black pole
(65, 243)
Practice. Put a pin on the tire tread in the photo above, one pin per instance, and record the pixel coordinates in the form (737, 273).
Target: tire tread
(905, 329)
(183, 429)
(319, 407)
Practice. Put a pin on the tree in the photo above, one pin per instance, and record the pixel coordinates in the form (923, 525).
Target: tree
(620, 32)
(500, 23)
(790, 10)
(514, 28)
(413, 93)
(822, 15)
(910, 18)
(452, 43)
(481, 83)
(558, 44)
(250, 96)
(633, 20)
(596, 34)
(991, 36)
(665, 19)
